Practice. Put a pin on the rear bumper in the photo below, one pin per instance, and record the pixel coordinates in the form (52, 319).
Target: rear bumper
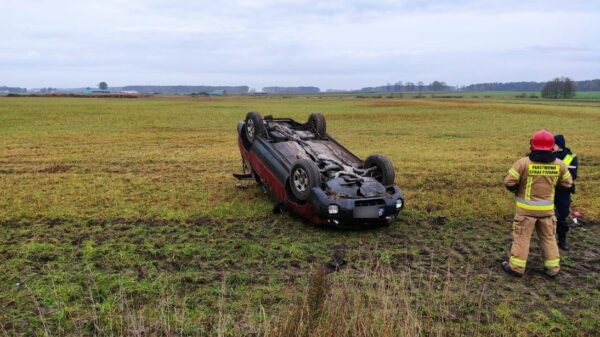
(346, 216)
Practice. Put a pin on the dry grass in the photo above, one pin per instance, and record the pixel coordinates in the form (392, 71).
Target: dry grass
(380, 302)
(120, 218)
(372, 301)
(172, 158)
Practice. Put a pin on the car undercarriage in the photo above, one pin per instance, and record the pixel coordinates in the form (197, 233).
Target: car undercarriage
(310, 167)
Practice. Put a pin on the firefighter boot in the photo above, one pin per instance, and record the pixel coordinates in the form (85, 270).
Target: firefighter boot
(552, 272)
(562, 242)
(506, 267)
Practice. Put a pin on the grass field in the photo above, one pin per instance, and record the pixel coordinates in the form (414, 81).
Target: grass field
(120, 217)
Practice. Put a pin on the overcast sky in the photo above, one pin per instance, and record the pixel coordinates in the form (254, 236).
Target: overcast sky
(330, 44)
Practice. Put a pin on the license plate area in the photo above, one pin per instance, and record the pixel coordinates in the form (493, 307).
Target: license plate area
(367, 212)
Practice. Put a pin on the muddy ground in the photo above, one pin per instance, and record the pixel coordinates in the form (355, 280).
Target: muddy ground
(58, 272)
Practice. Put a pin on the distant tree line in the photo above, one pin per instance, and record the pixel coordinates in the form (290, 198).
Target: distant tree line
(435, 86)
(509, 86)
(291, 90)
(410, 87)
(12, 90)
(562, 87)
(48, 90)
(589, 85)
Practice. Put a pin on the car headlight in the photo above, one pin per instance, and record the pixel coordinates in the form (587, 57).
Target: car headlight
(398, 203)
(333, 209)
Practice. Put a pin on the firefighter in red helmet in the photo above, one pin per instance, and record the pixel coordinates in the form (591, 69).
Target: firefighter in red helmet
(533, 180)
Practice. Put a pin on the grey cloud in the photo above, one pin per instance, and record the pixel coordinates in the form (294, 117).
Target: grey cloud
(342, 44)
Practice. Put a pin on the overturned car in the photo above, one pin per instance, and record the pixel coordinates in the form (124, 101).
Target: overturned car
(311, 174)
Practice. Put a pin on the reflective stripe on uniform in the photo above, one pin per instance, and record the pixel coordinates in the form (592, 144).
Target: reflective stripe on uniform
(569, 159)
(518, 262)
(514, 173)
(567, 175)
(528, 188)
(554, 182)
(535, 208)
(552, 263)
(541, 205)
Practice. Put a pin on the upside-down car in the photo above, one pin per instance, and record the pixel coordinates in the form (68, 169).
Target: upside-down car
(311, 174)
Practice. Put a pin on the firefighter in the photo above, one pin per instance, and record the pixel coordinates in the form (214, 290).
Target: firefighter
(533, 180)
(562, 199)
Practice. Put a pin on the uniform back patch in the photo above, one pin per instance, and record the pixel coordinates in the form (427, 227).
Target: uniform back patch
(543, 170)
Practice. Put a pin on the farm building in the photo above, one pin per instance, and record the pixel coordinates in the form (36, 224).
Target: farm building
(196, 94)
(90, 91)
(218, 93)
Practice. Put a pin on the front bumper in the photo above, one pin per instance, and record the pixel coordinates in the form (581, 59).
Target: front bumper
(347, 214)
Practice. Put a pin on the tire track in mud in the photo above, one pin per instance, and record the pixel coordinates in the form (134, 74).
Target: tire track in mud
(199, 253)
(476, 252)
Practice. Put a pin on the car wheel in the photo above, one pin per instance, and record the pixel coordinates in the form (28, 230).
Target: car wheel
(384, 170)
(254, 126)
(303, 177)
(316, 121)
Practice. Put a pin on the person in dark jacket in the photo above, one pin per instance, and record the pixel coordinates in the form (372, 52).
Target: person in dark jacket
(562, 198)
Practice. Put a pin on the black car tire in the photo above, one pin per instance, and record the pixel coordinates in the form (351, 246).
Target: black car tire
(316, 121)
(254, 126)
(384, 173)
(303, 177)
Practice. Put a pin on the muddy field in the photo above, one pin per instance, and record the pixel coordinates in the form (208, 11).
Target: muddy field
(120, 217)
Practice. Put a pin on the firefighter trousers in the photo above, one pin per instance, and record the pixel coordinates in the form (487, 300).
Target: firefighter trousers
(523, 227)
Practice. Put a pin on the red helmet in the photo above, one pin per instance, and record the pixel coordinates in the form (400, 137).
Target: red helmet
(542, 141)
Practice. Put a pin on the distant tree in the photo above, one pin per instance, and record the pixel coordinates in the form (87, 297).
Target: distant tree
(102, 85)
(420, 86)
(398, 86)
(409, 86)
(557, 88)
(546, 91)
(438, 86)
(562, 87)
(568, 88)
(551, 89)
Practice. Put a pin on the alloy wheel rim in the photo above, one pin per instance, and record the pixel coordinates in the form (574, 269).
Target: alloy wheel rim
(300, 180)
(250, 128)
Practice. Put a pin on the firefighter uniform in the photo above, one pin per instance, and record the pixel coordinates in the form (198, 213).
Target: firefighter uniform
(562, 199)
(533, 180)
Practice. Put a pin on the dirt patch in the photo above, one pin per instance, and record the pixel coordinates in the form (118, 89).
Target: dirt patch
(199, 221)
(272, 257)
(394, 103)
(55, 169)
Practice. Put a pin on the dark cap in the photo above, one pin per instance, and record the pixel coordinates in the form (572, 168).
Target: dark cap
(560, 141)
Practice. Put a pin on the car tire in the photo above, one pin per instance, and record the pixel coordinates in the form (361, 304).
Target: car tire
(303, 177)
(384, 173)
(316, 121)
(254, 126)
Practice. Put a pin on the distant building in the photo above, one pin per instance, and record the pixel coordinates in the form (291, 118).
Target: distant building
(218, 93)
(196, 94)
(90, 91)
(291, 90)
